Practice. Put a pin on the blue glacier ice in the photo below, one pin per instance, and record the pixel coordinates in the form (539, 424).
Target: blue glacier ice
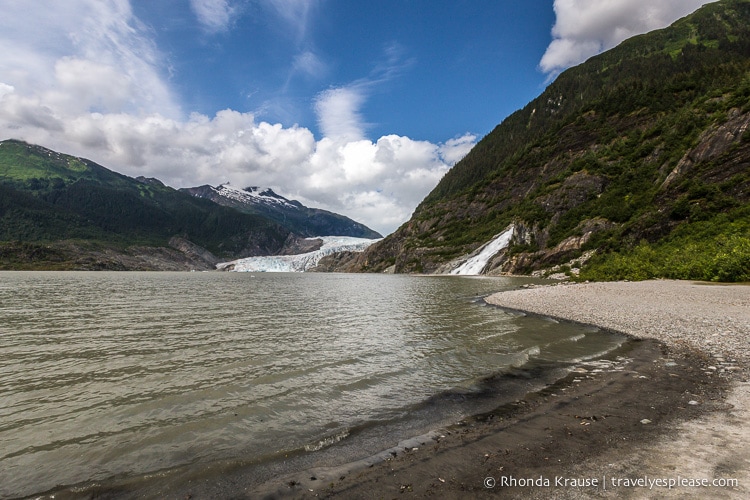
(298, 263)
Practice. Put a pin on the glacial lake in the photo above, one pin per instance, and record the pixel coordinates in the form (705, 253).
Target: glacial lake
(126, 378)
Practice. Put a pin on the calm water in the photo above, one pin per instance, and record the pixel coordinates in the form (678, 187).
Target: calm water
(118, 375)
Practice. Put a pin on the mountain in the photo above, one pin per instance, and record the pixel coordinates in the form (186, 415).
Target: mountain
(292, 214)
(639, 157)
(63, 212)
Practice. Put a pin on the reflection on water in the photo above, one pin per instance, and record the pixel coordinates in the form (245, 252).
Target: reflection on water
(117, 374)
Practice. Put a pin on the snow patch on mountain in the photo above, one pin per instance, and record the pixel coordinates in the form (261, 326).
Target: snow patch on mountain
(298, 263)
(254, 194)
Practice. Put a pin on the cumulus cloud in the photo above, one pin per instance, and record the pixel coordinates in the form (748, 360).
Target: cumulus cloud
(88, 82)
(455, 149)
(382, 180)
(584, 28)
(214, 15)
(378, 183)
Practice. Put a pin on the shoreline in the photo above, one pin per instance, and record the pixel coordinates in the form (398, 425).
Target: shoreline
(662, 406)
(677, 408)
(707, 317)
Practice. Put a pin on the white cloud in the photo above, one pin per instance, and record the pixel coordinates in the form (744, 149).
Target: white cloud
(6, 89)
(584, 28)
(338, 108)
(379, 181)
(49, 48)
(89, 83)
(455, 149)
(295, 13)
(214, 15)
(309, 64)
(338, 112)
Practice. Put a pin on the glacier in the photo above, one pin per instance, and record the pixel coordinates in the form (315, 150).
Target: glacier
(298, 263)
(474, 265)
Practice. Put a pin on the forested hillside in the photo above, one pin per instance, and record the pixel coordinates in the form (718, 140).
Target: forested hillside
(60, 211)
(640, 155)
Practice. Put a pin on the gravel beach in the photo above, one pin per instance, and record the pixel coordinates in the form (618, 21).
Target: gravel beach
(711, 319)
(714, 319)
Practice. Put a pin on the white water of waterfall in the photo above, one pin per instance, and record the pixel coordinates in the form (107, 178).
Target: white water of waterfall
(476, 264)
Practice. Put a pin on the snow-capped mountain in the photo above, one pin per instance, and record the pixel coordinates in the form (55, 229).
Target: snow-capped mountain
(256, 196)
(292, 214)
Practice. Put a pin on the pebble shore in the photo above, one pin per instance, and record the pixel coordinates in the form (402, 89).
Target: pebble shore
(711, 318)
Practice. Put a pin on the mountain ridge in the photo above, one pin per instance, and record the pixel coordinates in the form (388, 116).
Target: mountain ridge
(59, 211)
(631, 155)
(302, 220)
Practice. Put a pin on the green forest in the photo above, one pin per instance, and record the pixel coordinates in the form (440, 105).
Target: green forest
(53, 204)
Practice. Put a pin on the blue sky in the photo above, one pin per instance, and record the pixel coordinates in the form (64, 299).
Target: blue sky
(429, 70)
(358, 107)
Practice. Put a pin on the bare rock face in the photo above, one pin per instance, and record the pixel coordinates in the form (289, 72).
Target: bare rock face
(714, 142)
(338, 262)
(574, 191)
(296, 244)
(193, 251)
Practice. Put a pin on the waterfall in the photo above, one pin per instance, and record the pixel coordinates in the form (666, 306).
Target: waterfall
(474, 265)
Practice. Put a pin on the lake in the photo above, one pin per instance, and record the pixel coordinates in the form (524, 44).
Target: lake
(125, 377)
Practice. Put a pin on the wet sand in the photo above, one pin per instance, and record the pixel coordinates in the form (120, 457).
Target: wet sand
(668, 416)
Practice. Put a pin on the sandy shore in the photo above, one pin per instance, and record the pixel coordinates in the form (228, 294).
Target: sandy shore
(668, 417)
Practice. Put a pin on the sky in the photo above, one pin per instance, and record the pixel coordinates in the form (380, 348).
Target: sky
(358, 107)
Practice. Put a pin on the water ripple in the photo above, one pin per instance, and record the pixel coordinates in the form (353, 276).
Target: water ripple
(111, 374)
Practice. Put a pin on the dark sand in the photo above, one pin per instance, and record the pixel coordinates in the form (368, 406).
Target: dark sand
(592, 415)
